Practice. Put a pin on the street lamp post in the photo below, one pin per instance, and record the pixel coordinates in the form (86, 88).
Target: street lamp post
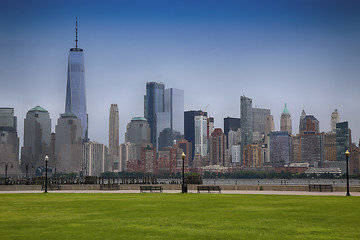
(6, 169)
(183, 186)
(347, 154)
(46, 170)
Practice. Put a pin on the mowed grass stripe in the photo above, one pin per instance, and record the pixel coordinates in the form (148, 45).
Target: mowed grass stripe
(177, 216)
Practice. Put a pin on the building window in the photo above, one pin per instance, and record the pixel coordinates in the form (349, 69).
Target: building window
(3, 134)
(36, 115)
(70, 121)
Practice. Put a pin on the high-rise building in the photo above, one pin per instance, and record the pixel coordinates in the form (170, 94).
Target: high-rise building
(9, 142)
(95, 159)
(279, 148)
(210, 126)
(68, 144)
(308, 124)
(189, 127)
(252, 156)
(114, 135)
(37, 139)
(285, 121)
(246, 122)
(259, 120)
(170, 123)
(335, 118)
(218, 153)
(75, 87)
(174, 104)
(343, 140)
(231, 124)
(201, 135)
(312, 148)
(138, 133)
(129, 153)
(154, 104)
(330, 146)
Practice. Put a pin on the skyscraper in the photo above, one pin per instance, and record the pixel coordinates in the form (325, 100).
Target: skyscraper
(75, 87)
(153, 104)
(170, 123)
(37, 138)
(231, 124)
(280, 147)
(114, 134)
(189, 127)
(218, 153)
(343, 140)
(259, 119)
(285, 121)
(308, 124)
(201, 135)
(9, 141)
(246, 122)
(335, 118)
(68, 144)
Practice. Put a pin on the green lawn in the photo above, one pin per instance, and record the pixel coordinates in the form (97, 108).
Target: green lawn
(177, 216)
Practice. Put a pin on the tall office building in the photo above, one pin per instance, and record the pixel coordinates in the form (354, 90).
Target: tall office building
(138, 133)
(308, 123)
(246, 122)
(75, 87)
(189, 127)
(37, 139)
(95, 159)
(170, 123)
(285, 121)
(335, 118)
(128, 153)
(200, 135)
(9, 141)
(68, 144)
(114, 135)
(343, 140)
(231, 124)
(259, 119)
(280, 148)
(210, 126)
(153, 105)
(218, 153)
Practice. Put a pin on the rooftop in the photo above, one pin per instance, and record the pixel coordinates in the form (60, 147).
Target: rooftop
(38, 109)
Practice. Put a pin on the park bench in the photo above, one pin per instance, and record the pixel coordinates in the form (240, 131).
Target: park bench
(208, 188)
(320, 187)
(151, 188)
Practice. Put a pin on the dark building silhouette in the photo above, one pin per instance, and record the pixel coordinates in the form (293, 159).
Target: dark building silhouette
(189, 127)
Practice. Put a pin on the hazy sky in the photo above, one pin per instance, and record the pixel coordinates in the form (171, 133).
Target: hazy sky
(306, 53)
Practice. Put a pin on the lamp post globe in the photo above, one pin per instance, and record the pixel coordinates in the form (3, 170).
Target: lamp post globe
(347, 154)
(46, 170)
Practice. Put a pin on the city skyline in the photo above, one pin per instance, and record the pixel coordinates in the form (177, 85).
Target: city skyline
(300, 53)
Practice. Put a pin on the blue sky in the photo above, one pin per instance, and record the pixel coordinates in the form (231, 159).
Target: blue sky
(306, 53)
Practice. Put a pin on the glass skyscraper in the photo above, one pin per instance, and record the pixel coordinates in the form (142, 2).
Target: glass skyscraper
(75, 88)
(153, 104)
(246, 122)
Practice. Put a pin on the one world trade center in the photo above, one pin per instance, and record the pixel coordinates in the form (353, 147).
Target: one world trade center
(75, 88)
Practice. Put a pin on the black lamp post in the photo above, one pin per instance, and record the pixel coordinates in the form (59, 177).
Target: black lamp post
(6, 169)
(46, 170)
(347, 154)
(183, 186)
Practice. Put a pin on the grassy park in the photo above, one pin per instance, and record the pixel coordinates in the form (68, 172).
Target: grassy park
(177, 216)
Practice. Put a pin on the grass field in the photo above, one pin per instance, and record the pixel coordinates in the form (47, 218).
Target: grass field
(177, 216)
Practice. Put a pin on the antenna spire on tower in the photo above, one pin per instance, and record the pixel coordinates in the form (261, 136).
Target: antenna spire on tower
(76, 40)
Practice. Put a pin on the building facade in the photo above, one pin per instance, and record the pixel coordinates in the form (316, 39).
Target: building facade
(189, 127)
(68, 143)
(201, 135)
(335, 118)
(246, 121)
(37, 139)
(285, 121)
(75, 87)
(280, 147)
(95, 159)
(114, 154)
